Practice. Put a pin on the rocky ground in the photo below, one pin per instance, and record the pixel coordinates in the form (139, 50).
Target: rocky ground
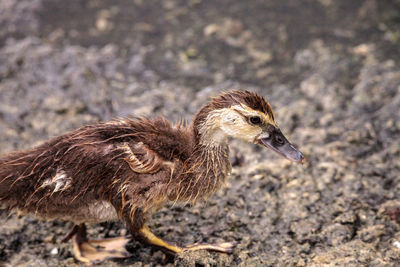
(329, 68)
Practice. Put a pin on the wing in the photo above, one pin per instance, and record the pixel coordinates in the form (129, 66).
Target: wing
(142, 159)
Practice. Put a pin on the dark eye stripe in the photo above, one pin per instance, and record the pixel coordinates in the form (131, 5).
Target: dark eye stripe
(249, 119)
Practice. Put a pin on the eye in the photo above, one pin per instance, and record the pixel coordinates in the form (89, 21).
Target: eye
(255, 120)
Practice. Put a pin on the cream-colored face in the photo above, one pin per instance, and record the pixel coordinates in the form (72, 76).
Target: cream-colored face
(244, 123)
(237, 121)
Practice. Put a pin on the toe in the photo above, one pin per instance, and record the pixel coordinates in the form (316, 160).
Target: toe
(226, 247)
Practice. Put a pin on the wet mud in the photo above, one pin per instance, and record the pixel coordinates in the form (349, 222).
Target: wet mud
(329, 68)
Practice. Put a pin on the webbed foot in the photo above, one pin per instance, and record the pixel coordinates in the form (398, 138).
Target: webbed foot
(146, 236)
(97, 250)
(226, 247)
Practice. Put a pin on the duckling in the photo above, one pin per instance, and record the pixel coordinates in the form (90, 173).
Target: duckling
(126, 169)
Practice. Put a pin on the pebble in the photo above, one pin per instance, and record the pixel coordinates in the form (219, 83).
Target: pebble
(54, 251)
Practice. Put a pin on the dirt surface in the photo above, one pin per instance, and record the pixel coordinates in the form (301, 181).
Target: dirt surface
(329, 68)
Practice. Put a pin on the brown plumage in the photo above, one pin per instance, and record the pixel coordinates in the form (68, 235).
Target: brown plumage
(127, 168)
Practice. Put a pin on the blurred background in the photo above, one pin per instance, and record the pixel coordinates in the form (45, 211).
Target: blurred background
(330, 69)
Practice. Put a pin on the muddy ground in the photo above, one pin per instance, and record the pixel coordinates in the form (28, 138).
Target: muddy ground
(329, 68)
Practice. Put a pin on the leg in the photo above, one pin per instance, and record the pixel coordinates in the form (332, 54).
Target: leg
(136, 224)
(146, 236)
(97, 250)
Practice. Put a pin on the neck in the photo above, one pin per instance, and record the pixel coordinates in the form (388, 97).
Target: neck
(208, 166)
(203, 174)
(213, 138)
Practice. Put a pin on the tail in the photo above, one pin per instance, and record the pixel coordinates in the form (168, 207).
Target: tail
(19, 175)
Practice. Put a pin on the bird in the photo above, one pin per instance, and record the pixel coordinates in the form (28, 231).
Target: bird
(128, 168)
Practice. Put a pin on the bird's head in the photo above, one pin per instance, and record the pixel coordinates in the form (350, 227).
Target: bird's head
(244, 115)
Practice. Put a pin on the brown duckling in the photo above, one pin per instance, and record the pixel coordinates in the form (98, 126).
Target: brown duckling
(126, 169)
